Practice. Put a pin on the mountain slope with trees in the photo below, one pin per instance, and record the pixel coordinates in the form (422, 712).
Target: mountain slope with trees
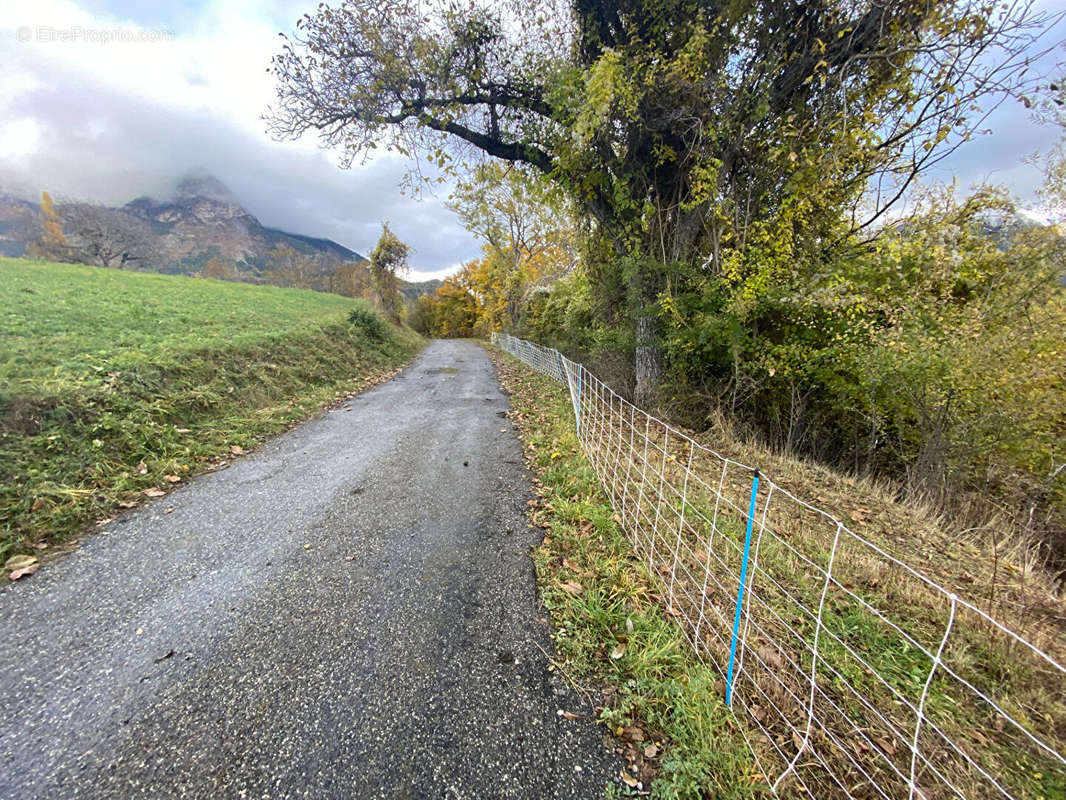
(202, 221)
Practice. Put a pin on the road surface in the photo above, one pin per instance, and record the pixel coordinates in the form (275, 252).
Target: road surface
(348, 613)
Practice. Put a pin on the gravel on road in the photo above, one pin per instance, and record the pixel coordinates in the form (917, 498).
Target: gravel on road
(350, 612)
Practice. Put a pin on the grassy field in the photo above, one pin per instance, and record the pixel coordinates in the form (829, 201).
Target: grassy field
(116, 385)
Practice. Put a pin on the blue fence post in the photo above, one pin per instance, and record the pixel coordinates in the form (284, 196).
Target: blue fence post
(580, 372)
(740, 591)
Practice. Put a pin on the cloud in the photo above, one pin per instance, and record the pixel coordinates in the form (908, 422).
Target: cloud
(113, 121)
(180, 88)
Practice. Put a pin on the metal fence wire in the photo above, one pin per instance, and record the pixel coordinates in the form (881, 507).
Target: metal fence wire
(856, 674)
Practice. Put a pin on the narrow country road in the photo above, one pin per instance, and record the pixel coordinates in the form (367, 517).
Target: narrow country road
(348, 613)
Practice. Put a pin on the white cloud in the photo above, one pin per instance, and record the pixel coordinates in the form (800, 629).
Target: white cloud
(110, 121)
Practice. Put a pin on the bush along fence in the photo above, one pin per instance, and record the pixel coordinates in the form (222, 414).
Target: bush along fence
(852, 673)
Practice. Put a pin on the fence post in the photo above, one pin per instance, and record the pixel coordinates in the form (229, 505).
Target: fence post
(740, 590)
(580, 373)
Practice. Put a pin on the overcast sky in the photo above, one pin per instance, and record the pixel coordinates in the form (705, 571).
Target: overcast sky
(111, 120)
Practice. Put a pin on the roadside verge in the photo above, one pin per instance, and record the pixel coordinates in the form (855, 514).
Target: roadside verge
(613, 639)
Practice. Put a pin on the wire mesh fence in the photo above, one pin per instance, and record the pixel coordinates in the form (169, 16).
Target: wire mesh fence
(856, 674)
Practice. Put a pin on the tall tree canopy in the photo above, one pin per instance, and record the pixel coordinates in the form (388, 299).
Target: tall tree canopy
(732, 142)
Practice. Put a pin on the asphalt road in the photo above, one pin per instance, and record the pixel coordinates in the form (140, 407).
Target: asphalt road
(348, 613)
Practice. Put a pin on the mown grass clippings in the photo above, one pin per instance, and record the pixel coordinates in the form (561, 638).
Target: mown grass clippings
(116, 386)
(662, 706)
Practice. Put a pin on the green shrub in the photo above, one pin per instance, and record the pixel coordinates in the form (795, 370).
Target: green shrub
(368, 323)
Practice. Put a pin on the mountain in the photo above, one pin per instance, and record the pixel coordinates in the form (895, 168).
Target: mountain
(205, 220)
(18, 224)
(411, 291)
(201, 220)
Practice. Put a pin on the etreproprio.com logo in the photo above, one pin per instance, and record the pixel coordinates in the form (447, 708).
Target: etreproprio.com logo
(50, 34)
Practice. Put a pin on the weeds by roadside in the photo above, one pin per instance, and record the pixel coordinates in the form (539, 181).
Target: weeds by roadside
(612, 636)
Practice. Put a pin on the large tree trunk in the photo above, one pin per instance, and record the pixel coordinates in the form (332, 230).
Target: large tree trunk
(649, 361)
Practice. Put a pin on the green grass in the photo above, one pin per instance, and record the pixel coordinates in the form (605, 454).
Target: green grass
(112, 380)
(612, 636)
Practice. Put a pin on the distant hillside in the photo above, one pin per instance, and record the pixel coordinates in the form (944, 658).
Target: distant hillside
(412, 291)
(18, 224)
(202, 220)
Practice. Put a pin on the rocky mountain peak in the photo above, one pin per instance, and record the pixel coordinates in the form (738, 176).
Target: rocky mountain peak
(205, 187)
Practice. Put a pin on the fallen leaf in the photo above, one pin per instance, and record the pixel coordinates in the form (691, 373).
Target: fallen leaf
(573, 587)
(634, 733)
(154, 492)
(37, 504)
(651, 751)
(629, 780)
(142, 468)
(20, 566)
(29, 569)
(20, 561)
(886, 744)
(566, 714)
(797, 740)
(618, 651)
(126, 504)
(172, 479)
(236, 449)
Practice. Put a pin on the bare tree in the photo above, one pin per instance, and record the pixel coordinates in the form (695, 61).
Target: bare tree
(290, 268)
(106, 237)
